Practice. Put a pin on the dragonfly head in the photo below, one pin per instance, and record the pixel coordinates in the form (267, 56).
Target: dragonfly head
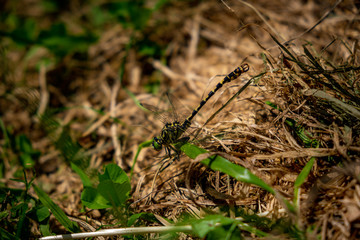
(157, 145)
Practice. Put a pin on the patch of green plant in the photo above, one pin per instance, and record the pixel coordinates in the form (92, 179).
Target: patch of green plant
(262, 223)
(59, 41)
(132, 14)
(56, 210)
(26, 32)
(112, 191)
(304, 136)
(18, 208)
(220, 227)
(17, 149)
(135, 15)
(218, 163)
(240, 227)
(284, 227)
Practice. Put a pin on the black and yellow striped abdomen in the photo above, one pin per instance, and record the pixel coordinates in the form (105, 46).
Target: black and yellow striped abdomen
(231, 76)
(171, 132)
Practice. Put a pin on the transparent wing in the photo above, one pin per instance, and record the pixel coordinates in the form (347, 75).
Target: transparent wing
(165, 116)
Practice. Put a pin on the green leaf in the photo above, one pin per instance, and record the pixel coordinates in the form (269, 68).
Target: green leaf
(114, 173)
(112, 191)
(56, 210)
(218, 163)
(45, 229)
(115, 193)
(92, 199)
(24, 143)
(5, 134)
(201, 227)
(28, 155)
(50, 6)
(40, 213)
(145, 47)
(97, 16)
(159, 4)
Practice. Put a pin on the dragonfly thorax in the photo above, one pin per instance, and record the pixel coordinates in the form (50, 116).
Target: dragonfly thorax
(170, 133)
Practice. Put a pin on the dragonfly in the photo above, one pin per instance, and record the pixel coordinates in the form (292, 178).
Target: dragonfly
(173, 131)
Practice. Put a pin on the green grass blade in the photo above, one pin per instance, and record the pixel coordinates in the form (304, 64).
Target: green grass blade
(133, 97)
(218, 163)
(141, 146)
(83, 176)
(56, 210)
(302, 177)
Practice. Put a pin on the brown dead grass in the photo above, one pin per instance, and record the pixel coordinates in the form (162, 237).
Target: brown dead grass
(202, 41)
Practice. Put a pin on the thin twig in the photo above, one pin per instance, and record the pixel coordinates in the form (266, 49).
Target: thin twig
(44, 93)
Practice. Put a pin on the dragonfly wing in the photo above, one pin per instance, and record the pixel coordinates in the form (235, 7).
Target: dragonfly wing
(165, 116)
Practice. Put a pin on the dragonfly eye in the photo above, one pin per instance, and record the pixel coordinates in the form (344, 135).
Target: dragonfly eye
(156, 144)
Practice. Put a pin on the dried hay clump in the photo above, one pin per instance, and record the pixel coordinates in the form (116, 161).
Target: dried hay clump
(318, 113)
(315, 110)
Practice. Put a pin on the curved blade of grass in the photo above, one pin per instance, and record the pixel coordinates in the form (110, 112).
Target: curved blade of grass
(56, 210)
(141, 146)
(218, 163)
(302, 177)
(83, 176)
